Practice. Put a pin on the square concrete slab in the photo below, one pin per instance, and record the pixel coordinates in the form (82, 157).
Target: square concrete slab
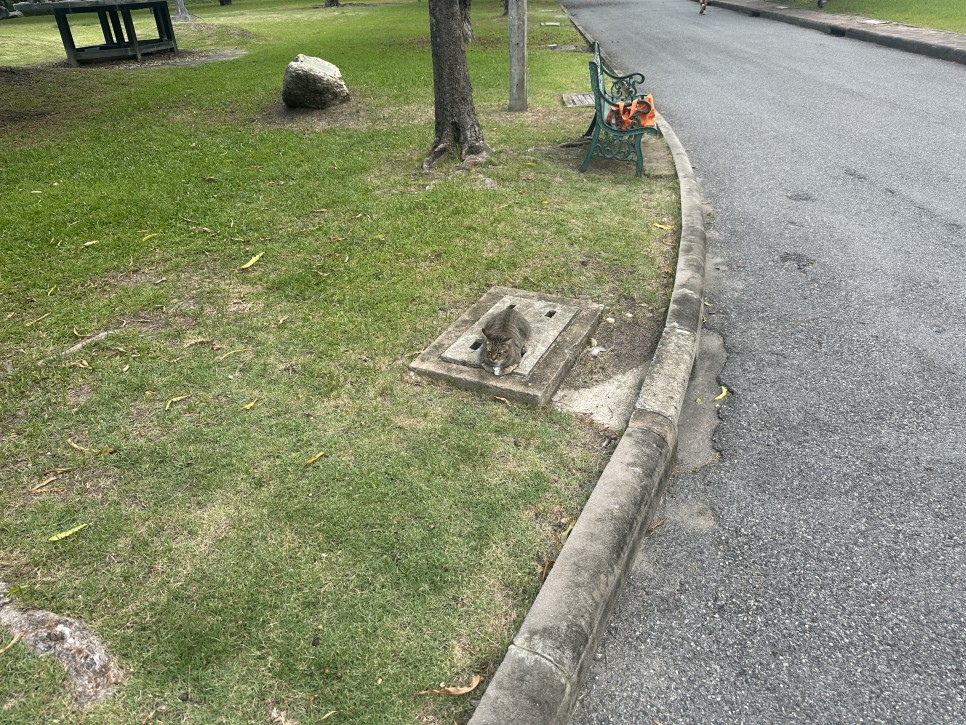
(559, 328)
(578, 100)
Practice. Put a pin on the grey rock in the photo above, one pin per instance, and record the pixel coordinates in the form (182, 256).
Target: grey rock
(313, 83)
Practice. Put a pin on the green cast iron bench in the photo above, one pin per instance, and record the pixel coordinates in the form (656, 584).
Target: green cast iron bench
(607, 140)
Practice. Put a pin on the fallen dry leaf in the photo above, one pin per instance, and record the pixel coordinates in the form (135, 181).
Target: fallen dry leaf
(724, 392)
(177, 399)
(547, 566)
(233, 352)
(44, 483)
(34, 322)
(565, 534)
(655, 527)
(454, 690)
(12, 642)
(196, 341)
(75, 446)
(250, 405)
(314, 458)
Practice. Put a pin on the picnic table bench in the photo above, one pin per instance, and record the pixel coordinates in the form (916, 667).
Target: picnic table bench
(609, 137)
(120, 39)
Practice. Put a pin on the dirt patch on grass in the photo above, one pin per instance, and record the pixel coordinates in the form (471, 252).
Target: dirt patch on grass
(134, 277)
(143, 419)
(173, 60)
(79, 394)
(626, 339)
(360, 113)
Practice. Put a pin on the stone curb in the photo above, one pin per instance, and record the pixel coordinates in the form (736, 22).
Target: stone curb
(544, 668)
(922, 41)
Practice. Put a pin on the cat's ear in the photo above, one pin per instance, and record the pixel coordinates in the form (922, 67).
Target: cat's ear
(486, 334)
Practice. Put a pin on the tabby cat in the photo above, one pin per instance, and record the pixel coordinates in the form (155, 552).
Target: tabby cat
(506, 336)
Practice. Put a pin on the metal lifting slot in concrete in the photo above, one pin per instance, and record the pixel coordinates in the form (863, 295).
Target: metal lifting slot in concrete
(559, 328)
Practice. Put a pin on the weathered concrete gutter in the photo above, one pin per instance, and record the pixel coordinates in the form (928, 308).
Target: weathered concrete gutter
(541, 676)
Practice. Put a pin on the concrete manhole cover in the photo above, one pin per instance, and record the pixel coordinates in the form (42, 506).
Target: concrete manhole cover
(559, 327)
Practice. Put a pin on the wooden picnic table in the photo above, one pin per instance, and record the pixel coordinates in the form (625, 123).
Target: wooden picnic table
(120, 40)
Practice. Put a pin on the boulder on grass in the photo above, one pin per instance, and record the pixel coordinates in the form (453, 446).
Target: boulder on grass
(313, 83)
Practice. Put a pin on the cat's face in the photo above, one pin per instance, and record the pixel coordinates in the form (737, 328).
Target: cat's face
(498, 351)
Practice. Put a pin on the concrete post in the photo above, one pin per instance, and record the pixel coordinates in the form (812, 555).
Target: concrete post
(517, 14)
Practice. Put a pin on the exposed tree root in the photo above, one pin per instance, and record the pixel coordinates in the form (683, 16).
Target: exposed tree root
(90, 667)
(438, 152)
(471, 157)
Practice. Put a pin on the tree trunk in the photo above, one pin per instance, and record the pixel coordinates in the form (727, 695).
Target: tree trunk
(181, 13)
(467, 25)
(456, 122)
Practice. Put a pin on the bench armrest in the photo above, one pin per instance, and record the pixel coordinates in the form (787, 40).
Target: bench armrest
(621, 88)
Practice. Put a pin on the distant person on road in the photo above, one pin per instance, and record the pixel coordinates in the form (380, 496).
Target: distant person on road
(704, 6)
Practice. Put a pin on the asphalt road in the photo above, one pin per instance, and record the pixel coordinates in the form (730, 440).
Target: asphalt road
(817, 572)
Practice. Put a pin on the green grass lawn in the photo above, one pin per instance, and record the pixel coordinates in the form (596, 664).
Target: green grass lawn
(939, 14)
(228, 573)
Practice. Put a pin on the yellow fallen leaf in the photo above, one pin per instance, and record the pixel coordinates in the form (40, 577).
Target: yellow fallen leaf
(327, 715)
(69, 532)
(663, 226)
(90, 243)
(196, 341)
(724, 392)
(172, 401)
(44, 483)
(233, 352)
(17, 638)
(314, 458)
(150, 236)
(250, 405)
(34, 322)
(454, 690)
(252, 261)
(78, 447)
(566, 532)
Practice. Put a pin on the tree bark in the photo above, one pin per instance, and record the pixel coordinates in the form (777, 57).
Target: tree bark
(181, 13)
(456, 122)
(465, 22)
